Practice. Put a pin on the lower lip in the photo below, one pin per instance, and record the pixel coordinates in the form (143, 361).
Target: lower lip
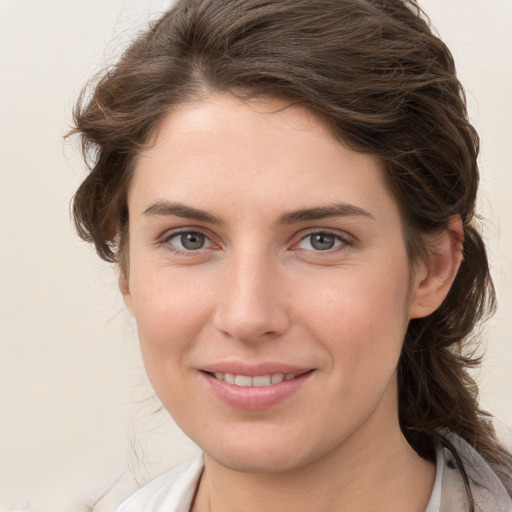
(255, 397)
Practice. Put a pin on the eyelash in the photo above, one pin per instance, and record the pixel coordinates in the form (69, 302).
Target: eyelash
(166, 239)
(342, 242)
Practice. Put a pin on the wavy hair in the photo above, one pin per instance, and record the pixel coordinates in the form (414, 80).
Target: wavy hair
(373, 72)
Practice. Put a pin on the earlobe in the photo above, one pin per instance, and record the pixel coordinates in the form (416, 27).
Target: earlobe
(432, 285)
(124, 287)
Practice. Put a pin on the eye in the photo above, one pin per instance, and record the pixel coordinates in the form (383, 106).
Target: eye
(189, 241)
(321, 241)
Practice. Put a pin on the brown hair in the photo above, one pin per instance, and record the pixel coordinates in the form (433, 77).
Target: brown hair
(376, 75)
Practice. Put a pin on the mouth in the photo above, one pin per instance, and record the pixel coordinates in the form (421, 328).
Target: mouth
(258, 391)
(256, 385)
(248, 381)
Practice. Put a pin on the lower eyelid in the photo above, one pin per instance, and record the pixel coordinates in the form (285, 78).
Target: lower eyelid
(167, 237)
(339, 240)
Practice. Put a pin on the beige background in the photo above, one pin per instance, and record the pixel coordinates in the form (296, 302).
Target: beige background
(75, 410)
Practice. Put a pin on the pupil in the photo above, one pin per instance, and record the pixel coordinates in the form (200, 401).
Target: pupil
(192, 241)
(322, 242)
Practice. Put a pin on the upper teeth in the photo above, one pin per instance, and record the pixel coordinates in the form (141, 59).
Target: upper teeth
(260, 380)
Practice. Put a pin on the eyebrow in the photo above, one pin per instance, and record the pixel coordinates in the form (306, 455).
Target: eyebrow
(323, 212)
(166, 208)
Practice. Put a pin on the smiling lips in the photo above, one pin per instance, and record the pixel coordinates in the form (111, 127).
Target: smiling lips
(256, 391)
(248, 381)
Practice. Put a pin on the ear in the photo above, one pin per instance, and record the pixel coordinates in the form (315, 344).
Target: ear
(124, 287)
(434, 278)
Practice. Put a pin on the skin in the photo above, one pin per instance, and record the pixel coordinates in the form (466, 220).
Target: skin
(258, 290)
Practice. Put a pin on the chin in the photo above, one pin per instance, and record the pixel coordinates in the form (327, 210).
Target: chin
(259, 453)
(261, 461)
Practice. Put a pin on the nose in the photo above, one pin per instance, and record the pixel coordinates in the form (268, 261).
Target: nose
(251, 305)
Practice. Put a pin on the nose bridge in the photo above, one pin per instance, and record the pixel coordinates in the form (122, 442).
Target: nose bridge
(250, 304)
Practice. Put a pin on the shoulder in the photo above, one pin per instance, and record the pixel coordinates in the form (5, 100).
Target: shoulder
(487, 489)
(173, 490)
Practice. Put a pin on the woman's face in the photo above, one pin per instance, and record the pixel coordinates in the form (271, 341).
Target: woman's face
(270, 283)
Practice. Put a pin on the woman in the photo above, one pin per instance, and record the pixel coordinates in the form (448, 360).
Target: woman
(288, 188)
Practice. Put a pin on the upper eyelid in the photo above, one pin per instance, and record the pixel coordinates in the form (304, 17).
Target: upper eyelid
(342, 235)
(294, 239)
(169, 233)
(164, 242)
(347, 240)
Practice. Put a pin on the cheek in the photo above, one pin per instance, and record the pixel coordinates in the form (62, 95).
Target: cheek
(170, 313)
(361, 321)
(168, 323)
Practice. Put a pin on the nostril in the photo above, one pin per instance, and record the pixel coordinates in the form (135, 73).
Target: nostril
(261, 325)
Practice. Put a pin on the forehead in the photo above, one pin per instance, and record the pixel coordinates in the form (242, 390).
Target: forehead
(264, 152)
(222, 116)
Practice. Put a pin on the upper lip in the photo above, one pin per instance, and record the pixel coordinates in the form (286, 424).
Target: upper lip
(252, 369)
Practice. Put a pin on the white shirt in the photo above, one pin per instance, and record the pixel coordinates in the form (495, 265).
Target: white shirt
(174, 490)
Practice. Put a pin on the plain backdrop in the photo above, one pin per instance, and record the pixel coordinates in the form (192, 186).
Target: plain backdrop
(76, 412)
